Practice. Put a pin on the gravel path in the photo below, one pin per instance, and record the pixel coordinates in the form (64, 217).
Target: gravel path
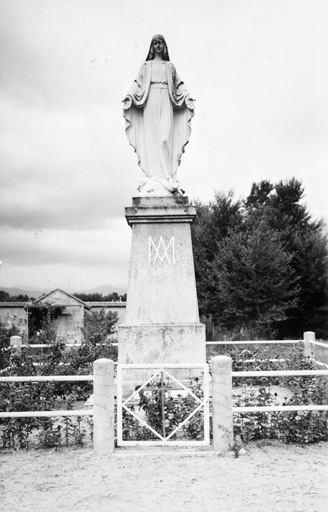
(270, 477)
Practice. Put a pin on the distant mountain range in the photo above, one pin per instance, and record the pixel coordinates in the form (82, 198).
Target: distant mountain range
(35, 293)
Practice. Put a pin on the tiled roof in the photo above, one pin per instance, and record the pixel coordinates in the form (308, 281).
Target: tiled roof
(114, 304)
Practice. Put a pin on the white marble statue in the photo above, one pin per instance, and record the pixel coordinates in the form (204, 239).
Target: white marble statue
(158, 110)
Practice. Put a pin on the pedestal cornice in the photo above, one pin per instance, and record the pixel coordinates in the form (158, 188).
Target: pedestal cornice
(162, 210)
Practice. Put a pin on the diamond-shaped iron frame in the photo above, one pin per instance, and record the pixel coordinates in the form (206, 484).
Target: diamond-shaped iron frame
(162, 368)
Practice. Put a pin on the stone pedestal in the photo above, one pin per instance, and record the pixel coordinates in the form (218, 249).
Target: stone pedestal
(161, 320)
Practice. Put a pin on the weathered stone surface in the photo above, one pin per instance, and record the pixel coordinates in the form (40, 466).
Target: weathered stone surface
(103, 410)
(162, 321)
(161, 344)
(222, 413)
(160, 201)
(309, 336)
(16, 343)
(161, 210)
(162, 288)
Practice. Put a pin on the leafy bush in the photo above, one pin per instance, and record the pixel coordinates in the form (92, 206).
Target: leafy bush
(99, 326)
(5, 351)
(42, 322)
(164, 413)
(47, 396)
(292, 427)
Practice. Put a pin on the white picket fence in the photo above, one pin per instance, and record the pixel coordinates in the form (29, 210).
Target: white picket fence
(47, 414)
(222, 401)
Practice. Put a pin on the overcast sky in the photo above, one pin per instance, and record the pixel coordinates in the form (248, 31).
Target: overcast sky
(257, 68)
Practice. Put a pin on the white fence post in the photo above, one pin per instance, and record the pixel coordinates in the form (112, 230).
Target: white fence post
(103, 406)
(222, 413)
(16, 343)
(308, 348)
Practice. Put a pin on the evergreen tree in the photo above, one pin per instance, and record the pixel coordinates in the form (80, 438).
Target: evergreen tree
(261, 264)
(251, 283)
(213, 223)
(305, 240)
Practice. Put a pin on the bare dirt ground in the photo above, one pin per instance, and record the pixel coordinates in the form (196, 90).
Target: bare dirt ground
(270, 477)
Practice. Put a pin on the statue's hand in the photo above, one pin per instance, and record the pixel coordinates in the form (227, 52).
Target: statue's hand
(127, 102)
(190, 102)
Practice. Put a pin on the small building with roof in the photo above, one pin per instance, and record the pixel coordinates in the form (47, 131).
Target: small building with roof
(15, 314)
(70, 321)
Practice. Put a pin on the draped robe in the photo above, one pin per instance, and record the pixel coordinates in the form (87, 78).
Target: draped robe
(158, 121)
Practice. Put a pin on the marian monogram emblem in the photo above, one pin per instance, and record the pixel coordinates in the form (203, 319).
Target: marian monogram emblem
(161, 251)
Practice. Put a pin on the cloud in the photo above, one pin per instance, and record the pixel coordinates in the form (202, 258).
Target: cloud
(82, 247)
(59, 169)
(259, 76)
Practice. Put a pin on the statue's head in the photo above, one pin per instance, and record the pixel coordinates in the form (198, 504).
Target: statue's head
(155, 41)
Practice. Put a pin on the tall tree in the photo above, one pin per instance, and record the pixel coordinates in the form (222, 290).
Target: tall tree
(305, 239)
(213, 223)
(263, 261)
(251, 283)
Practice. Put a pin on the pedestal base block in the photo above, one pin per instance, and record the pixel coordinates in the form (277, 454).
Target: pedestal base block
(165, 343)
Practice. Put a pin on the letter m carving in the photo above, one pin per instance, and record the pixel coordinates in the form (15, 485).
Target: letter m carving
(161, 251)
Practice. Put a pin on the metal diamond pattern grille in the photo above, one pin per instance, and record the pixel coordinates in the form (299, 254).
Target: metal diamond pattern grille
(165, 409)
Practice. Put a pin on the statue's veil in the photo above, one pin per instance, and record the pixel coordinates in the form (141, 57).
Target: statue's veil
(150, 55)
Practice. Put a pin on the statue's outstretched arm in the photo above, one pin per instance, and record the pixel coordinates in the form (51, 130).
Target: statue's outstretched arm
(189, 101)
(127, 102)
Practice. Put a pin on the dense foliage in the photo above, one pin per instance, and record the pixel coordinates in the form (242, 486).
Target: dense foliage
(99, 326)
(292, 427)
(6, 297)
(165, 412)
(99, 297)
(42, 326)
(54, 359)
(5, 335)
(86, 297)
(261, 264)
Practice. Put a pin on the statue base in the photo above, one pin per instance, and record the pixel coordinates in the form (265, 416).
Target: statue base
(159, 187)
(161, 320)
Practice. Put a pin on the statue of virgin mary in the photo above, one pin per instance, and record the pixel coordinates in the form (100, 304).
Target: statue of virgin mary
(158, 110)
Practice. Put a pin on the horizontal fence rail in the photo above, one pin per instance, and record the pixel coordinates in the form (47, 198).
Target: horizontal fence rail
(222, 404)
(280, 408)
(50, 378)
(45, 345)
(249, 342)
(319, 344)
(279, 373)
(255, 342)
(223, 408)
(46, 414)
(162, 365)
(320, 363)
